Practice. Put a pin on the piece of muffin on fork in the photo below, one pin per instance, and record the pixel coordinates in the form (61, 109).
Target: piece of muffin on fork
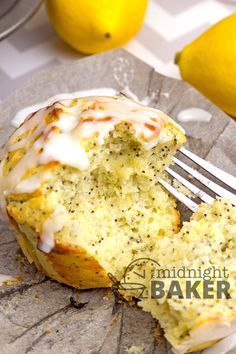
(195, 307)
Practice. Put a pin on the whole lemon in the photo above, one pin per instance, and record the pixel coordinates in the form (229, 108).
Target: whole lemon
(209, 64)
(92, 26)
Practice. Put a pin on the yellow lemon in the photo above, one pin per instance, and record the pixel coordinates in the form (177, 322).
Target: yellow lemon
(209, 64)
(92, 26)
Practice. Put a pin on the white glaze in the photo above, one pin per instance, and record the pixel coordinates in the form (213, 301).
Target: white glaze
(8, 279)
(150, 98)
(20, 115)
(66, 149)
(59, 140)
(222, 347)
(194, 114)
(29, 185)
(128, 93)
(53, 224)
(54, 134)
(209, 331)
(165, 94)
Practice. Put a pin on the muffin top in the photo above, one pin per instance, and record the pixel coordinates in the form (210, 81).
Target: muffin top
(57, 132)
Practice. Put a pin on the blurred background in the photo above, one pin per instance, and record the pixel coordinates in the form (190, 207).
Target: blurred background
(168, 26)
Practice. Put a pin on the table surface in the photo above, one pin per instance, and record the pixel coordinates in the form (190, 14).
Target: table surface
(169, 25)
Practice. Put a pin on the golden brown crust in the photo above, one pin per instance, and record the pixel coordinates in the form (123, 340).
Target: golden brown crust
(73, 266)
(33, 208)
(67, 263)
(78, 268)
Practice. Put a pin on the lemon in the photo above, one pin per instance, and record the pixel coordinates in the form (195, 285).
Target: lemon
(92, 26)
(209, 64)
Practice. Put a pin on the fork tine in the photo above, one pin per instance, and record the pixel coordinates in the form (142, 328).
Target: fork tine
(225, 177)
(197, 191)
(180, 196)
(222, 192)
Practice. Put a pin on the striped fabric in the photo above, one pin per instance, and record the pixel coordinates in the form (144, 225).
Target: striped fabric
(169, 25)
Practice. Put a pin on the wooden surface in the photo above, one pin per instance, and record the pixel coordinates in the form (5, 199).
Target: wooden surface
(36, 315)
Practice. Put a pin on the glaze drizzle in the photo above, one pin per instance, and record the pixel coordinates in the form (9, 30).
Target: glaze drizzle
(54, 134)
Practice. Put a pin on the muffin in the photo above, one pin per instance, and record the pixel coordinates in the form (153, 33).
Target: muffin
(79, 184)
(206, 242)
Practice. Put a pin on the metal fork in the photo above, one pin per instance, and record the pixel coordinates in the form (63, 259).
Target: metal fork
(226, 178)
(221, 175)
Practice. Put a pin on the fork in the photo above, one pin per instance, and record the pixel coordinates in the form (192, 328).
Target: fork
(227, 179)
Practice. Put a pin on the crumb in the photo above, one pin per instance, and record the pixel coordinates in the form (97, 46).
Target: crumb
(136, 349)
(37, 295)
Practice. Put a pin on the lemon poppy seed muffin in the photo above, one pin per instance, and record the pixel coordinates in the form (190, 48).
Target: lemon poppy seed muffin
(79, 181)
(208, 241)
